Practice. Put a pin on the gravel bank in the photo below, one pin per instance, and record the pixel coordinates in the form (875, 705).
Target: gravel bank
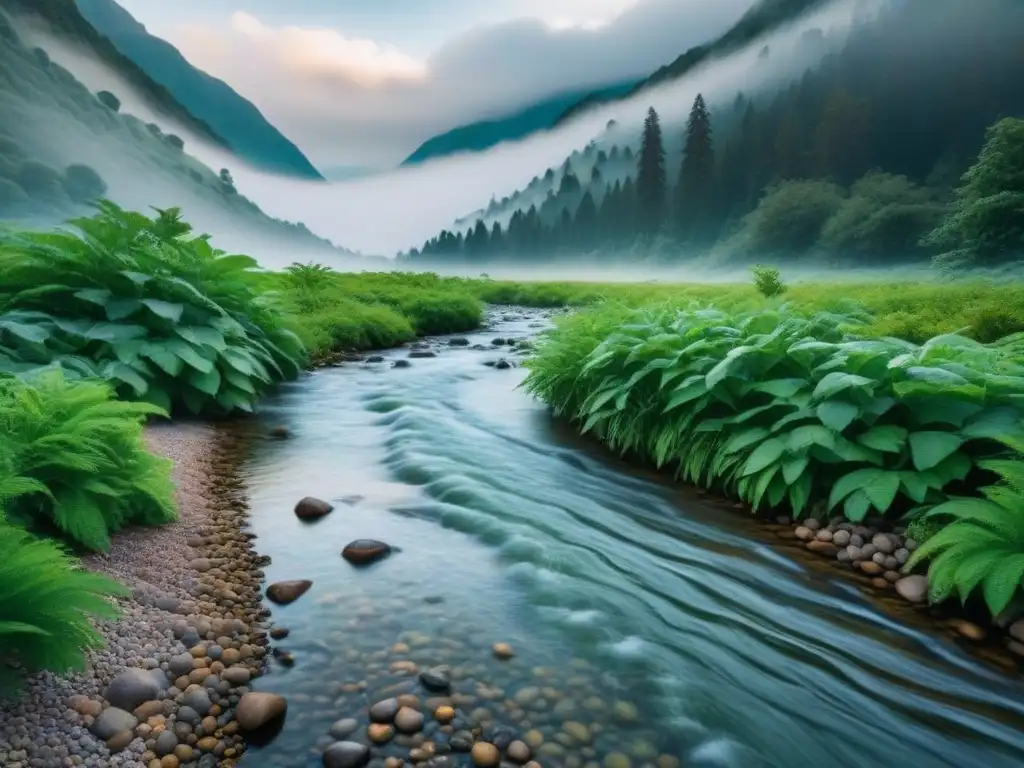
(182, 597)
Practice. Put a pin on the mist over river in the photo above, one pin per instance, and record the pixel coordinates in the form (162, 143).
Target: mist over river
(649, 627)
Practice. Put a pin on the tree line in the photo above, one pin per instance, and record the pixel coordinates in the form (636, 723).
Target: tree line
(857, 160)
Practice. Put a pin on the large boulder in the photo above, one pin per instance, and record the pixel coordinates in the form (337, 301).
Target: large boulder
(284, 592)
(311, 508)
(131, 688)
(257, 709)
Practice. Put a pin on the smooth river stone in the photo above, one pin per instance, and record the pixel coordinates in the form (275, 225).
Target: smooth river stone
(365, 551)
(311, 508)
(284, 592)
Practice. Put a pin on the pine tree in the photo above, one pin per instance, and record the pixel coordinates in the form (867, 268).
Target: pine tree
(585, 223)
(650, 180)
(694, 191)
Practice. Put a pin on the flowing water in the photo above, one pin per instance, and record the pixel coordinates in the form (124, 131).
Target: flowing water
(656, 626)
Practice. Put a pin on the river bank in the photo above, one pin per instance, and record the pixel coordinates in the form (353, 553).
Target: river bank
(149, 698)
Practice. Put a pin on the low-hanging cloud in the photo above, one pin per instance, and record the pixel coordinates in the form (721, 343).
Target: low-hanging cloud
(395, 211)
(352, 101)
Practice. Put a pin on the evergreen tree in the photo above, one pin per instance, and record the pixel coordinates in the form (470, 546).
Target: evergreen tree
(496, 242)
(585, 223)
(650, 180)
(694, 191)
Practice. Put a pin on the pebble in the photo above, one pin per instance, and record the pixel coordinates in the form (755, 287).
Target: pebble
(503, 651)
(485, 755)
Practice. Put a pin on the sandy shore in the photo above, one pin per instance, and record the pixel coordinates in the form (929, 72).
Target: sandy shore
(181, 599)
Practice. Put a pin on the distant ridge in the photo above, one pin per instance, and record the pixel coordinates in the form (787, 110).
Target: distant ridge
(214, 102)
(481, 135)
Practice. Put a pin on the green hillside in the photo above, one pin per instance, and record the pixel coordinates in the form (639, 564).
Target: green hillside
(213, 101)
(481, 135)
(759, 21)
(62, 147)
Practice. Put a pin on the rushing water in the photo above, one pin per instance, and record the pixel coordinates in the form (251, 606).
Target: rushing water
(656, 622)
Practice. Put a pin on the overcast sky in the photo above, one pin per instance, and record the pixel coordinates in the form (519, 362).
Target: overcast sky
(364, 82)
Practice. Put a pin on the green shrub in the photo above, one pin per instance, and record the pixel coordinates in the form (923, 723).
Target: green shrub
(109, 100)
(782, 409)
(83, 184)
(46, 601)
(768, 281)
(163, 316)
(981, 542)
(789, 219)
(40, 181)
(73, 460)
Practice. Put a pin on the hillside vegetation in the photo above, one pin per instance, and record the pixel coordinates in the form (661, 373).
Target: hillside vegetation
(848, 165)
(62, 146)
(244, 129)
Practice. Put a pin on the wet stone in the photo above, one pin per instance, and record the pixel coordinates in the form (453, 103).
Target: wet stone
(436, 679)
(311, 508)
(408, 720)
(384, 711)
(344, 728)
(285, 592)
(346, 754)
(365, 551)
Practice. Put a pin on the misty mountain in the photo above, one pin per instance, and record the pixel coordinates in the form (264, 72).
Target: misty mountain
(63, 146)
(758, 22)
(234, 118)
(853, 162)
(483, 134)
(64, 18)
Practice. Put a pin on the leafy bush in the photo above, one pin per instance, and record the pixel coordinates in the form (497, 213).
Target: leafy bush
(40, 181)
(782, 409)
(789, 219)
(981, 542)
(46, 601)
(73, 460)
(109, 100)
(986, 225)
(163, 316)
(175, 141)
(884, 215)
(768, 281)
(83, 184)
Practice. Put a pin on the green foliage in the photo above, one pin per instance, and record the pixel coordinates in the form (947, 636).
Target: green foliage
(980, 545)
(45, 604)
(781, 408)
(986, 224)
(345, 311)
(789, 219)
(109, 100)
(768, 281)
(73, 460)
(161, 315)
(83, 184)
(884, 214)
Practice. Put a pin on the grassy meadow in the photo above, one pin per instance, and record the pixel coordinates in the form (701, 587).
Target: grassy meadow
(897, 400)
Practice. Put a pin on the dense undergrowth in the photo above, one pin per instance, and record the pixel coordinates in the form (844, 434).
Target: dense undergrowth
(335, 311)
(140, 303)
(801, 411)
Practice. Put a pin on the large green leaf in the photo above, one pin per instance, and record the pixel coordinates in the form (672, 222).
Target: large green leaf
(1002, 582)
(888, 438)
(170, 311)
(928, 449)
(837, 414)
(837, 382)
(766, 453)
